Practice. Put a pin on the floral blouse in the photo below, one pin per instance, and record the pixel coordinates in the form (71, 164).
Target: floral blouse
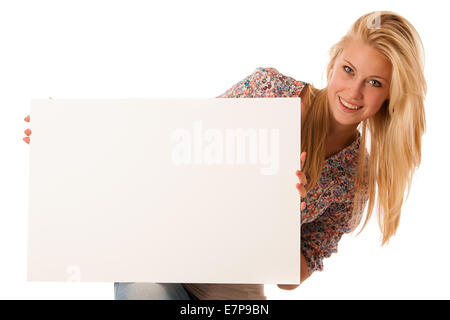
(329, 205)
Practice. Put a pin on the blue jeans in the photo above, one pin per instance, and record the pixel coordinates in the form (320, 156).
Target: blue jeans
(151, 291)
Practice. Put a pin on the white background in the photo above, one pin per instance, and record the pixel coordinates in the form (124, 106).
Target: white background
(198, 49)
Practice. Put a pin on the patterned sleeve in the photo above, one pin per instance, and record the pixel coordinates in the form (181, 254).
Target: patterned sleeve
(320, 237)
(319, 199)
(265, 82)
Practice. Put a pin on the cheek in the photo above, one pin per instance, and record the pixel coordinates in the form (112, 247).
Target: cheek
(337, 83)
(332, 88)
(375, 103)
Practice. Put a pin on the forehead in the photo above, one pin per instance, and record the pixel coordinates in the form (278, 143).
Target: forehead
(366, 59)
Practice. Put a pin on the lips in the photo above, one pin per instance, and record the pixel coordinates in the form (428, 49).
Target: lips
(349, 105)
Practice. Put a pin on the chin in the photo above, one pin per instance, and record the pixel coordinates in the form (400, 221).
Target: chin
(343, 119)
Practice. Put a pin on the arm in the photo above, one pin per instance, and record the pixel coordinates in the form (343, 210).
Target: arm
(317, 247)
(265, 83)
(304, 272)
(268, 82)
(303, 275)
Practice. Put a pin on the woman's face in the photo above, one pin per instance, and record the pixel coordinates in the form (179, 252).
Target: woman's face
(359, 84)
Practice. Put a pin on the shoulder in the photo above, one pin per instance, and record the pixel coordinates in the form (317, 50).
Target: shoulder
(283, 85)
(278, 83)
(266, 82)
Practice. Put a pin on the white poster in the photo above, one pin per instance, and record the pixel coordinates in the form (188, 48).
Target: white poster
(165, 190)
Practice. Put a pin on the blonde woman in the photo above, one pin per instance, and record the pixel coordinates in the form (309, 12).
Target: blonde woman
(375, 90)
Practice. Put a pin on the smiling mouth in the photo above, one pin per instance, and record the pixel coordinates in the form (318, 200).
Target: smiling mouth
(349, 105)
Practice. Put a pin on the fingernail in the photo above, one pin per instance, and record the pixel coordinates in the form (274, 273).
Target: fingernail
(27, 132)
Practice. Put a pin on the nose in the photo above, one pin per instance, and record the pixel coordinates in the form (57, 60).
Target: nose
(355, 92)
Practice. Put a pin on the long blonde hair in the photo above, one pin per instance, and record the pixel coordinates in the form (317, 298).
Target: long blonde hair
(395, 130)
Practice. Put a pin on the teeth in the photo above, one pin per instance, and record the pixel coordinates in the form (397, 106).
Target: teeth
(348, 105)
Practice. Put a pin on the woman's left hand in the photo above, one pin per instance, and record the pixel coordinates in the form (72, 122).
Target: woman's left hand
(302, 191)
(303, 181)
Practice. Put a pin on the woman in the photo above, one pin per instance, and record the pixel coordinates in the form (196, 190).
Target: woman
(376, 88)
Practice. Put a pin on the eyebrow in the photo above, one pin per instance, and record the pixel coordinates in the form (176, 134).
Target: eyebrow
(372, 76)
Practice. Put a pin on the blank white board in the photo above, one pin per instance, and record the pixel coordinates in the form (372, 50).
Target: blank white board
(165, 190)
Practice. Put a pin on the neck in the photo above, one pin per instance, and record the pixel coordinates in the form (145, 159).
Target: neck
(342, 135)
(339, 136)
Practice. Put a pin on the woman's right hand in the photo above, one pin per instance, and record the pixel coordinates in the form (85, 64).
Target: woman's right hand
(27, 131)
(303, 181)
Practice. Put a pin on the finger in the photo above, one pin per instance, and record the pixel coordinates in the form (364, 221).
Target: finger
(27, 118)
(303, 205)
(302, 177)
(28, 131)
(301, 189)
(27, 140)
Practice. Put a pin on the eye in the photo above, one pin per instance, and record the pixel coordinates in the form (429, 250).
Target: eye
(375, 83)
(348, 69)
